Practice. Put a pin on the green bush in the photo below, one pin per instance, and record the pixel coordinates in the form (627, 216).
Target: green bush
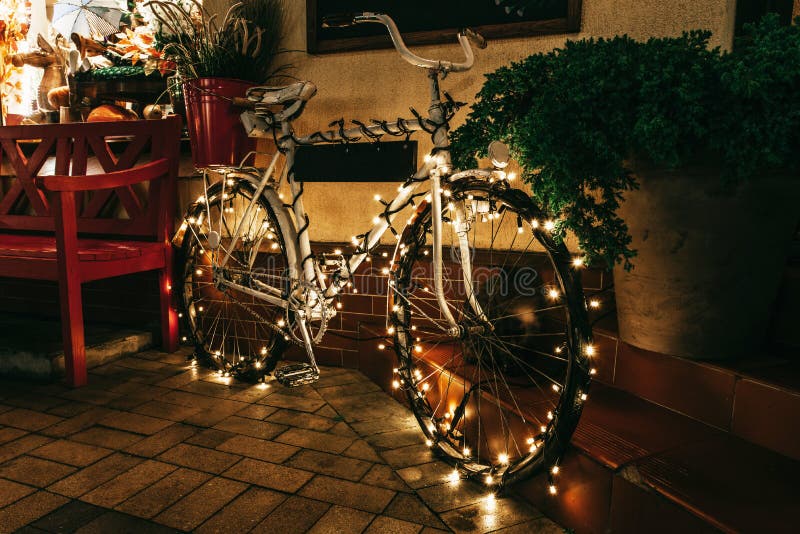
(575, 116)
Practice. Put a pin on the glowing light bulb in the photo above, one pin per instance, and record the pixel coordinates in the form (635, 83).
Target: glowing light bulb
(377, 198)
(426, 387)
(417, 348)
(553, 294)
(429, 443)
(396, 384)
(454, 476)
(592, 371)
(390, 330)
(198, 272)
(556, 388)
(281, 323)
(577, 262)
(555, 470)
(338, 305)
(590, 350)
(552, 489)
(502, 458)
(488, 480)
(549, 225)
(584, 396)
(594, 303)
(466, 451)
(381, 346)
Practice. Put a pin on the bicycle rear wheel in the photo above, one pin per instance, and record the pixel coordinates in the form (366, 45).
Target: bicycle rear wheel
(502, 400)
(235, 331)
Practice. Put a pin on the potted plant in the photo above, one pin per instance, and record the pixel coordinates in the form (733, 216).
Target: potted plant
(219, 59)
(675, 163)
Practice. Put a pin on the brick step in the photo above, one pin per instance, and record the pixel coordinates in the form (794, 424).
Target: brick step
(31, 347)
(637, 467)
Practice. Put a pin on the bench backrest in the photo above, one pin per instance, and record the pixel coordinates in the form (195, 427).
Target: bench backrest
(83, 149)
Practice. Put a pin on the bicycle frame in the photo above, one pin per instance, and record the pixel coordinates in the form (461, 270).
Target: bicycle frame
(437, 167)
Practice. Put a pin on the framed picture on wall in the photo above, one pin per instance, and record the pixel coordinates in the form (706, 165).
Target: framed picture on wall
(438, 21)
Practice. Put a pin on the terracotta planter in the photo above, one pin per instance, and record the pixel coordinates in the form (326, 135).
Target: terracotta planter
(709, 263)
(216, 134)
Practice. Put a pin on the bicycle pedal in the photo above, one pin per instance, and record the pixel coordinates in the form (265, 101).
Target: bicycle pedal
(296, 375)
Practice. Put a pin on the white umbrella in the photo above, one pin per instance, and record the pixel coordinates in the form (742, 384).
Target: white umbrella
(87, 17)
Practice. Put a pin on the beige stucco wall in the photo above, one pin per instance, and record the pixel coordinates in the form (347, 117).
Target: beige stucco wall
(378, 84)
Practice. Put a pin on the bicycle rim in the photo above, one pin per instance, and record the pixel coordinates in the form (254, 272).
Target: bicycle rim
(502, 400)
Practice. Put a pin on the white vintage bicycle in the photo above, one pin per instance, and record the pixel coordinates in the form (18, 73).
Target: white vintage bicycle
(485, 309)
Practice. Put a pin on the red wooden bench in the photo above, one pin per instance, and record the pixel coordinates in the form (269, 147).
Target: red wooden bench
(75, 211)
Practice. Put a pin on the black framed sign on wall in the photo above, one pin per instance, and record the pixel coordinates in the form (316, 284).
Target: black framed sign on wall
(438, 21)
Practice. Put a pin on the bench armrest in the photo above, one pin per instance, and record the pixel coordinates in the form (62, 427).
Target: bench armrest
(112, 180)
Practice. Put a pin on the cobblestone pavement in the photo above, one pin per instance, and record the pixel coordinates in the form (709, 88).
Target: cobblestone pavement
(154, 444)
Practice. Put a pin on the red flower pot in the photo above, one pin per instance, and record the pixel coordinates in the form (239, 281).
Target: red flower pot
(215, 131)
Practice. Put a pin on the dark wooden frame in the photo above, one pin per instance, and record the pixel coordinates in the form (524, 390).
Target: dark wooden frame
(570, 24)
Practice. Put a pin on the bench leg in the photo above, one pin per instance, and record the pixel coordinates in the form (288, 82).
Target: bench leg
(169, 316)
(72, 332)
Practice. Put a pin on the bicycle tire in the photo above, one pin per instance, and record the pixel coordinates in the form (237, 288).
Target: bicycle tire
(495, 392)
(242, 340)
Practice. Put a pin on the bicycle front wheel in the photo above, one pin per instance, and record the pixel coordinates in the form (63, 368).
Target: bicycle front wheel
(502, 398)
(234, 329)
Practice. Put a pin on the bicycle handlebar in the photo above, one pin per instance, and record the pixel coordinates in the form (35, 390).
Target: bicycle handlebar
(464, 37)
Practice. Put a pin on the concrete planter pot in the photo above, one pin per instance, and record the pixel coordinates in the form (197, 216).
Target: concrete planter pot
(709, 261)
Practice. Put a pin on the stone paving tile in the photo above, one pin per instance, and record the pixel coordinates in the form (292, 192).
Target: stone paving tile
(134, 422)
(92, 395)
(12, 491)
(411, 508)
(346, 390)
(8, 433)
(39, 403)
(542, 525)
(69, 517)
(269, 475)
(408, 456)
(153, 499)
(291, 402)
(330, 464)
(34, 471)
(294, 516)
(488, 514)
(128, 483)
(28, 419)
(361, 449)
(451, 495)
(202, 503)
(260, 449)
(326, 457)
(71, 452)
(430, 474)
(396, 439)
(327, 411)
(81, 421)
(166, 410)
(118, 522)
(341, 520)
(319, 441)
(257, 411)
(244, 512)
(70, 409)
(350, 494)
(248, 427)
(90, 477)
(106, 437)
(157, 443)
(383, 476)
(28, 510)
(389, 525)
(210, 437)
(20, 446)
(302, 420)
(367, 428)
(199, 458)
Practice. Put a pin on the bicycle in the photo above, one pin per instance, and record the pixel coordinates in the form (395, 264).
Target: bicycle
(493, 344)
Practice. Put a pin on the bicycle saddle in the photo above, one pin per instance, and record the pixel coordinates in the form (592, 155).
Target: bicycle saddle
(293, 98)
